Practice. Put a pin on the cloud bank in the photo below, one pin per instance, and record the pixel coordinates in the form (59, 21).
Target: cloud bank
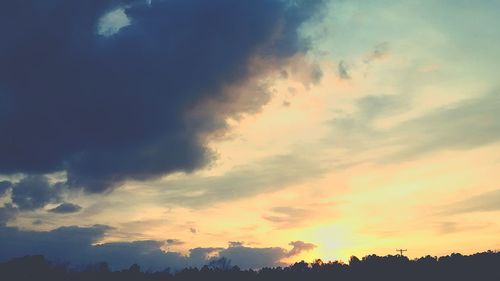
(78, 246)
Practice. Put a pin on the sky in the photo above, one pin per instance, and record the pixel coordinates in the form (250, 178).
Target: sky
(170, 133)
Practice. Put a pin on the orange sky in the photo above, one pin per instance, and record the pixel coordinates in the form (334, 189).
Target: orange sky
(396, 146)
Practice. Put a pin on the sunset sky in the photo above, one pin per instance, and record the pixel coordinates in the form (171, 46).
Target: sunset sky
(170, 132)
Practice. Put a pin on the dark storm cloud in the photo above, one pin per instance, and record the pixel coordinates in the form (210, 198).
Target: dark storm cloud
(34, 192)
(66, 208)
(106, 109)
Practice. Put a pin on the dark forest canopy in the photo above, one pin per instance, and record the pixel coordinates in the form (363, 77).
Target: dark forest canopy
(480, 266)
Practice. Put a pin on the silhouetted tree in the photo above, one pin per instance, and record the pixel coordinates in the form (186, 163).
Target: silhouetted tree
(480, 266)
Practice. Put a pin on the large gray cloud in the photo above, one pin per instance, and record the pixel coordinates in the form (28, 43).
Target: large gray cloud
(110, 98)
(77, 245)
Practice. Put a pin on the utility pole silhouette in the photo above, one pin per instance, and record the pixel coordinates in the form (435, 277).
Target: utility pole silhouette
(401, 251)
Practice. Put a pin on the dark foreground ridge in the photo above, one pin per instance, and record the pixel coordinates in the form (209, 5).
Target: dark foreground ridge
(480, 266)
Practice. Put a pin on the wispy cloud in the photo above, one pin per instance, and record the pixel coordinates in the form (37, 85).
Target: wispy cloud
(244, 181)
(285, 217)
(485, 202)
(463, 125)
(66, 208)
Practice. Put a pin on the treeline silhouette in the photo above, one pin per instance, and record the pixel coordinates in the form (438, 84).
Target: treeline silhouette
(480, 266)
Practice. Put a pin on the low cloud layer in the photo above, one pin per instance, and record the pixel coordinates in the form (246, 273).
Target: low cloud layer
(77, 245)
(106, 94)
